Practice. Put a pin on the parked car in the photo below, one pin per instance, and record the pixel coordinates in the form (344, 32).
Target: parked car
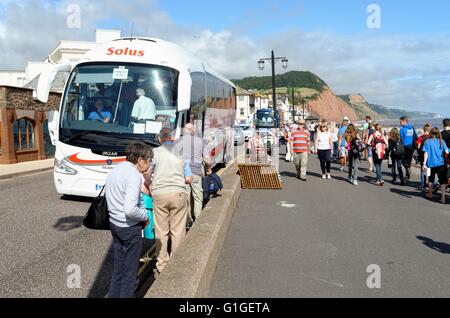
(239, 137)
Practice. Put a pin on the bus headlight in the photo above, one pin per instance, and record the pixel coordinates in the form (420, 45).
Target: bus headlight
(61, 167)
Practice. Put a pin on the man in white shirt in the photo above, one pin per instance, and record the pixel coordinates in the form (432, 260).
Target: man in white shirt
(144, 108)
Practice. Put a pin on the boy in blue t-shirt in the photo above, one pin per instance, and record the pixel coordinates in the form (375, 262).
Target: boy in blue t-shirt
(434, 159)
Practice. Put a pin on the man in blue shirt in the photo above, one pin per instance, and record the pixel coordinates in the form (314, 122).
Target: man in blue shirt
(409, 136)
(99, 113)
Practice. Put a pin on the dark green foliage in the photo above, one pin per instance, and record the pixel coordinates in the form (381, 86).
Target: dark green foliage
(289, 79)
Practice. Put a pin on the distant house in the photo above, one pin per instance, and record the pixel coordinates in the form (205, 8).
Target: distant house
(66, 52)
(24, 134)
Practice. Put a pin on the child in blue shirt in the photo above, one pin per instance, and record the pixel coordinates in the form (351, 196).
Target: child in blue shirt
(434, 158)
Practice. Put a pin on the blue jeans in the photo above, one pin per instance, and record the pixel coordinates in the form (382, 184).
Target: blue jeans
(378, 169)
(423, 178)
(127, 246)
(335, 150)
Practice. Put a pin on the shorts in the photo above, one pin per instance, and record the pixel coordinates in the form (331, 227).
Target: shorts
(343, 152)
(441, 172)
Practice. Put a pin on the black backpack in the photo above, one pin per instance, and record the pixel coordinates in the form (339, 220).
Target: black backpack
(399, 151)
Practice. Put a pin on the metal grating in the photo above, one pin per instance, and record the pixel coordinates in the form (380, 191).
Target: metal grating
(260, 176)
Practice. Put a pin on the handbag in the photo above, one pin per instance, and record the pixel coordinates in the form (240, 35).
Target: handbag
(97, 217)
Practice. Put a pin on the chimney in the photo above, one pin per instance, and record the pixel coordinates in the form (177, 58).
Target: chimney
(103, 36)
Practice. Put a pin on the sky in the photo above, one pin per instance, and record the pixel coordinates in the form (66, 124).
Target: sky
(397, 58)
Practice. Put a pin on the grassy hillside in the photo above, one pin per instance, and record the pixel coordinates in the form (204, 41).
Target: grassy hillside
(289, 79)
(382, 112)
(310, 86)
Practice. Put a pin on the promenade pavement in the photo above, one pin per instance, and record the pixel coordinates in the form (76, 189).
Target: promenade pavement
(23, 168)
(318, 238)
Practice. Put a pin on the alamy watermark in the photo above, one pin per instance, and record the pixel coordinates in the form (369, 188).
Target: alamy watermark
(73, 20)
(374, 18)
(74, 277)
(374, 278)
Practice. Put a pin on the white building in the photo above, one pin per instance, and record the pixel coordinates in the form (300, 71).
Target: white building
(245, 106)
(67, 52)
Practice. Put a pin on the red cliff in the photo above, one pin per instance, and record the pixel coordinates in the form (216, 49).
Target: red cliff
(330, 107)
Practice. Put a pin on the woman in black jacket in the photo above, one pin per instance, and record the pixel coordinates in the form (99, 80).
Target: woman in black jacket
(397, 154)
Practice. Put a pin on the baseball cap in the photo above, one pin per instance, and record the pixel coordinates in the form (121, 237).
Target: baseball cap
(346, 119)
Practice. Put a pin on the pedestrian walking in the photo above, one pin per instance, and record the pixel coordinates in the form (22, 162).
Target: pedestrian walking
(171, 175)
(435, 150)
(335, 139)
(421, 157)
(355, 148)
(324, 149)
(193, 150)
(343, 154)
(397, 154)
(367, 133)
(300, 145)
(409, 137)
(446, 137)
(127, 218)
(379, 144)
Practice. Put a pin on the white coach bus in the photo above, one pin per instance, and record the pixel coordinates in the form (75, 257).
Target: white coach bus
(126, 91)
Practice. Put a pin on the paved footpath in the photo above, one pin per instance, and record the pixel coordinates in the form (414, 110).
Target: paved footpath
(317, 239)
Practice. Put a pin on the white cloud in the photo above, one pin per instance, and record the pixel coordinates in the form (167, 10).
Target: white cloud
(405, 71)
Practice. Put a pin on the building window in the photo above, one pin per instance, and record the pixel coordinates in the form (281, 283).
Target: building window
(242, 111)
(24, 134)
(49, 147)
(241, 98)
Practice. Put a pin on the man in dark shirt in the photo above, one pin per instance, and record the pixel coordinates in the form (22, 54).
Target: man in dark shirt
(446, 131)
(446, 138)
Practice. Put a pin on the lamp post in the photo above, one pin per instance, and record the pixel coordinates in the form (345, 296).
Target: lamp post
(273, 59)
(293, 105)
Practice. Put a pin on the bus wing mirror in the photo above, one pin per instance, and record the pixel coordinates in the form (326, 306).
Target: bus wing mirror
(46, 78)
(53, 120)
(184, 91)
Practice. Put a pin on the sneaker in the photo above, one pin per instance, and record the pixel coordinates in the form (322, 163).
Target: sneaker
(350, 179)
(329, 177)
(355, 183)
(342, 168)
(381, 182)
(324, 177)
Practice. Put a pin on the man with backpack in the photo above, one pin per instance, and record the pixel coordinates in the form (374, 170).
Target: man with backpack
(419, 144)
(446, 138)
(397, 154)
(409, 136)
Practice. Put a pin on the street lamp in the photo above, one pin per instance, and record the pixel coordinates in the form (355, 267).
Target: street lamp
(284, 64)
(261, 65)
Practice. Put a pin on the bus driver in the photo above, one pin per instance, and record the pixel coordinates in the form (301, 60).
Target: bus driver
(144, 108)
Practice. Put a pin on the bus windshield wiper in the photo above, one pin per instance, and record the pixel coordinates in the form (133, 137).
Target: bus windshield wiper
(81, 134)
(84, 133)
(148, 142)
